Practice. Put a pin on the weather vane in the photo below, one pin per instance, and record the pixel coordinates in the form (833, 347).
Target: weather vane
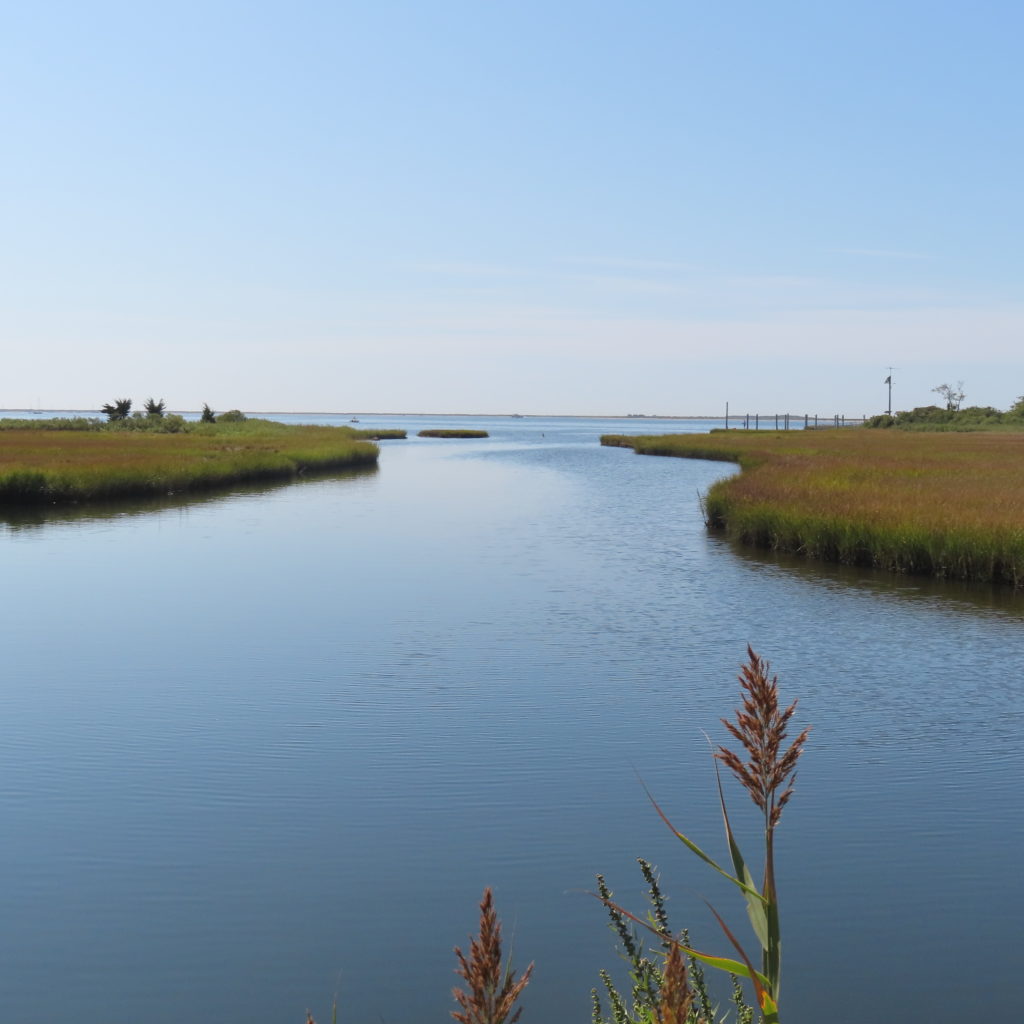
(888, 380)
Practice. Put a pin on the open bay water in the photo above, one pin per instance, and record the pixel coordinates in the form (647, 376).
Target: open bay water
(270, 745)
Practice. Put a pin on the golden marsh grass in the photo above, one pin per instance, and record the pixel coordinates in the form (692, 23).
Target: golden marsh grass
(950, 505)
(57, 465)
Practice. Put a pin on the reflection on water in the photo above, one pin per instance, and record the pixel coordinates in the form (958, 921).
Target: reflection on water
(27, 517)
(962, 596)
(271, 745)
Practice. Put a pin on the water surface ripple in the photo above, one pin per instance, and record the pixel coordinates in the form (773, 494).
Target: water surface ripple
(271, 745)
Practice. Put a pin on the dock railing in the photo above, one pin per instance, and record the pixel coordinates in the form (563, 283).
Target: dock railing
(791, 421)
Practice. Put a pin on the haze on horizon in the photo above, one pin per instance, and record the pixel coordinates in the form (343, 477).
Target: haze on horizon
(596, 209)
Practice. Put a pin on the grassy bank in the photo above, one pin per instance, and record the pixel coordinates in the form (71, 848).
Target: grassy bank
(40, 465)
(379, 435)
(947, 505)
(453, 433)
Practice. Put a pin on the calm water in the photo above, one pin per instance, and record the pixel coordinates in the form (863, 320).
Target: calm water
(271, 745)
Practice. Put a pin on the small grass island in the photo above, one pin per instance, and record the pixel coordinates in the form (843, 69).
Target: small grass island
(946, 505)
(73, 460)
(444, 432)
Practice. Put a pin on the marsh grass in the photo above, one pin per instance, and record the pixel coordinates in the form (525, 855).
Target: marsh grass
(378, 435)
(50, 466)
(439, 432)
(946, 505)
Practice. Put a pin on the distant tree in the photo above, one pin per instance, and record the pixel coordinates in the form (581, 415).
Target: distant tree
(119, 409)
(232, 416)
(1017, 409)
(155, 408)
(208, 416)
(951, 395)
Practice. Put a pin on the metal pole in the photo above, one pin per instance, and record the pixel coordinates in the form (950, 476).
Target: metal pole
(726, 415)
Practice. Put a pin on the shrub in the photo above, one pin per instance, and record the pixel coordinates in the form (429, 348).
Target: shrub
(172, 424)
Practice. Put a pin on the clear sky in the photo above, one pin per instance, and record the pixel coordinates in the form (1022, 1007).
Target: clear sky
(558, 206)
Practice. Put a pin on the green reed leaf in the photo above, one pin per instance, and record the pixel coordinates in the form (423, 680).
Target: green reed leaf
(759, 909)
(724, 963)
(747, 886)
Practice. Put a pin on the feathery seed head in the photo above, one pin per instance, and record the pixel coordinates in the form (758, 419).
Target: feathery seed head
(491, 994)
(769, 772)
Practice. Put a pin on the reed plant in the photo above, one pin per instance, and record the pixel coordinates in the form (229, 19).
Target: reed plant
(766, 769)
(491, 988)
(667, 982)
(946, 505)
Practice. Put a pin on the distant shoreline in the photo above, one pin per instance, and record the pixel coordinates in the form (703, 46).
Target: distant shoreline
(357, 412)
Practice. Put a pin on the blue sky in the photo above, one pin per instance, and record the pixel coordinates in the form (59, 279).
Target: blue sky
(558, 207)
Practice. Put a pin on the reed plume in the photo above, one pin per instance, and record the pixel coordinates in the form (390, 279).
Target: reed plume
(492, 990)
(761, 728)
(768, 776)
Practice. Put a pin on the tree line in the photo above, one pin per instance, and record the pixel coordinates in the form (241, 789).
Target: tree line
(121, 409)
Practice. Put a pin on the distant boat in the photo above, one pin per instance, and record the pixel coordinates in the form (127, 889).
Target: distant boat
(353, 420)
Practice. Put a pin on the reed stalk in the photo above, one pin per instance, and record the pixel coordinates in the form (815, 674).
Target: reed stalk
(767, 771)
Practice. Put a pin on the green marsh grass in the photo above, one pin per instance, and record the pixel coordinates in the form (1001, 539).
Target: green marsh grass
(947, 505)
(40, 465)
(441, 432)
(379, 435)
